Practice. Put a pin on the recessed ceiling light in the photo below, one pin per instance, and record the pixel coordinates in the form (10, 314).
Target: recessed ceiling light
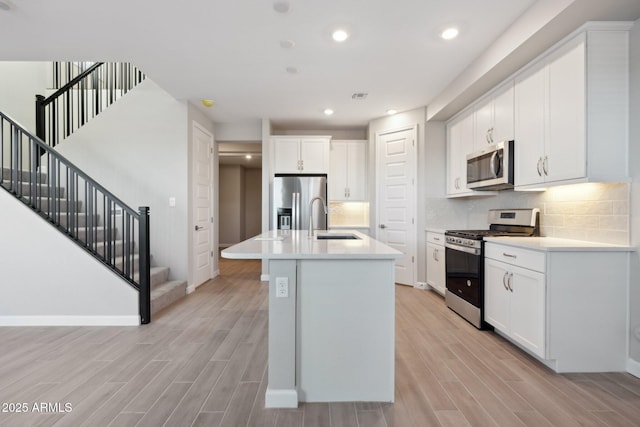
(208, 102)
(391, 111)
(287, 44)
(281, 6)
(4, 6)
(328, 111)
(340, 35)
(449, 33)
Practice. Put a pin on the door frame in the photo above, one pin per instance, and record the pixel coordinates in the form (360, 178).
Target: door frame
(213, 272)
(413, 194)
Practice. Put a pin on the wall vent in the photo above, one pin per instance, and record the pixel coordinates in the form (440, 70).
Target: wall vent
(359, 96)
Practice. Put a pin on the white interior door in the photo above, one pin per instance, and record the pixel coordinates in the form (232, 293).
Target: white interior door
(203, 205)
(396, 214)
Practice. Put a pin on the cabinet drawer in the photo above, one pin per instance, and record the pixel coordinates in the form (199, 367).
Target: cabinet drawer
(435, 238)
(532, 260)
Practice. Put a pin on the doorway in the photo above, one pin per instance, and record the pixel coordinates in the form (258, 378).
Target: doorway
(396, 197)
(240, 203)
(202, 191)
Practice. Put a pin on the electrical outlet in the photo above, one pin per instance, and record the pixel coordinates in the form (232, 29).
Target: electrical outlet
(282, 287)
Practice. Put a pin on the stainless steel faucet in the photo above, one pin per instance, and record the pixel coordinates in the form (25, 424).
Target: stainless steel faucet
(324, 205)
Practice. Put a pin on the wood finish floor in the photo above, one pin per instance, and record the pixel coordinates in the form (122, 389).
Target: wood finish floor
(202, 362)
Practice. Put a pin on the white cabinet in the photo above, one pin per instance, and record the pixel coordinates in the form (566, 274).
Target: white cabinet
(550, 119)
(348, 170)
(494, 118)
(515, 303)
(565, 306)
(294, 154)
(459, 144)
(571, 109)
(436, 273)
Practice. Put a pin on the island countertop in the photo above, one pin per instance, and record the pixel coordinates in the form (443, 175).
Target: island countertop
(295, 244)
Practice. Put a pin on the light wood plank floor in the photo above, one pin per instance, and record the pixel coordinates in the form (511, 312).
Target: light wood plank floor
(202, 362)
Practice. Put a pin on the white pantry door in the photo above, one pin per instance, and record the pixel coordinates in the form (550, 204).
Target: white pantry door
(203, 205)
(396, 160)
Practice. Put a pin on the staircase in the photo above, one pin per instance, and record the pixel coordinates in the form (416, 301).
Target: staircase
(163, 290)
(38, 176)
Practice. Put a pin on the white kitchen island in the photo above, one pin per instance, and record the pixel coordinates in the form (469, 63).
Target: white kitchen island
(331, 316)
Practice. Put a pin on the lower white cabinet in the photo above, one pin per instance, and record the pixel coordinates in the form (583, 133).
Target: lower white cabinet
(566, 305)
(515, 303)
(436, 273)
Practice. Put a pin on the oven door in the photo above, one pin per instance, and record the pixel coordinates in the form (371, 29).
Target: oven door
(464, 273)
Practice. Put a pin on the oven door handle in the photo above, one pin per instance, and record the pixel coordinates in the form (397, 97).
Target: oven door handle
(472, 251)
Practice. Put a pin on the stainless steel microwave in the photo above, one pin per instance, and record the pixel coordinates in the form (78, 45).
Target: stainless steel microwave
(491, 168)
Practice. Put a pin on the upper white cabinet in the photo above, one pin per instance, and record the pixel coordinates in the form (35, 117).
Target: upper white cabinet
(571, 111)
(348, 170)
(494, 118)
(459, 144)
(295, 154)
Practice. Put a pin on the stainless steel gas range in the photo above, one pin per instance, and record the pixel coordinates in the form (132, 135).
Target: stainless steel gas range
(464, 255)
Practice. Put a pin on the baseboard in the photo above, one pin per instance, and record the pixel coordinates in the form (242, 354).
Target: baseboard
(191, 288)
(264, 277)
(69, 320)
(280, 398)
(633, 367)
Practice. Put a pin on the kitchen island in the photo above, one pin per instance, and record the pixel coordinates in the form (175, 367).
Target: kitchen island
(331, 315)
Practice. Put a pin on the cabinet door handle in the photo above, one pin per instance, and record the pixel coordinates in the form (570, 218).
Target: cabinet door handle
(509, 255)
(504, 280)
(539, 166)
(487, 136)
(545, 165)
(510, 282)
(437, 239)
(435, 252)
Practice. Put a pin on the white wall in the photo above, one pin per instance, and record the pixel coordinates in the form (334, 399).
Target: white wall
(138, 150)
(20, 82)
(49, 280)
(634, 167)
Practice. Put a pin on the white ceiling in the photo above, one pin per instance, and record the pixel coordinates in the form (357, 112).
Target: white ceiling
(229, 51)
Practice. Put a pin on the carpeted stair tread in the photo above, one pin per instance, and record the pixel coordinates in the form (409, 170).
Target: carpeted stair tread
(167, 293)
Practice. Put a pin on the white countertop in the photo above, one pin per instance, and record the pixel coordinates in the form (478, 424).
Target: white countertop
(557, 244)
(435, 230)
(295, 244)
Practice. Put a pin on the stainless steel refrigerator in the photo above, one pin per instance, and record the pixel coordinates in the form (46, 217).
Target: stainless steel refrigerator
(292, 195)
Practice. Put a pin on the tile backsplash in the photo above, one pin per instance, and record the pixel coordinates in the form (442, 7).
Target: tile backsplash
(348, 214)
(593, 211)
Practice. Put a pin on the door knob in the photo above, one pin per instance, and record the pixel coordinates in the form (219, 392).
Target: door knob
(383, 226)
(198, 227)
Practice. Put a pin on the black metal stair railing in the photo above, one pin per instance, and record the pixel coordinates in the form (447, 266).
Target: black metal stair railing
(78, 206)
(82, 98)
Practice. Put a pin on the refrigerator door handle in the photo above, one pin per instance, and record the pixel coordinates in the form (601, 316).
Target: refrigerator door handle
(294, 211)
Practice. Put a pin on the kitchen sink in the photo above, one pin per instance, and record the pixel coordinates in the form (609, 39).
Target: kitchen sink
(337, 236)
